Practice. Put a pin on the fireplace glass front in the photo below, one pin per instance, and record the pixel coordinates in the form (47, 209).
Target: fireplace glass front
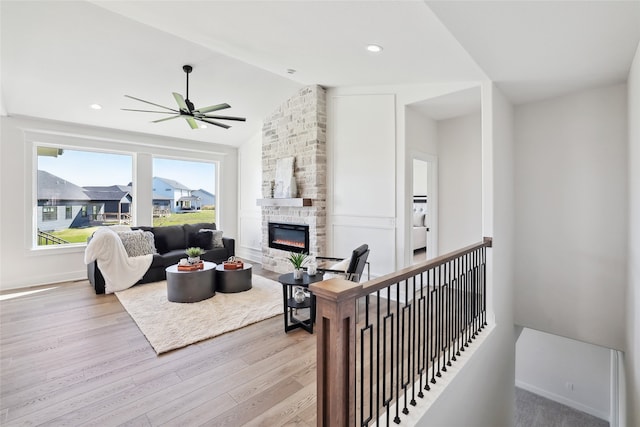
(289, 237)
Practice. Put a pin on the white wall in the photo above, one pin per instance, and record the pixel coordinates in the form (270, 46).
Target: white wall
(482, 394)
(571, 215)
(546, 364)
(361, 150)
(632, 356)
(459, 182)
(249, 243)
(23, 266)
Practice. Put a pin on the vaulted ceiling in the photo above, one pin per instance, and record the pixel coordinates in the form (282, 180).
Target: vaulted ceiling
(59, 57)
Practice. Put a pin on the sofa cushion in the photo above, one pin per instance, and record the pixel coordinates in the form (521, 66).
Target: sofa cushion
(204, 239)
(217, 255)
(173, 257)
(191, 232)
(169, 238)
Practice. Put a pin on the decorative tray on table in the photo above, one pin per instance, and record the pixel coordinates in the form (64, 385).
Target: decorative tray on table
(191, 267)
(233, 264)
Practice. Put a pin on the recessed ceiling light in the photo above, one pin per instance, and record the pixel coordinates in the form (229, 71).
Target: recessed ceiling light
(374, 48)
(96, 106)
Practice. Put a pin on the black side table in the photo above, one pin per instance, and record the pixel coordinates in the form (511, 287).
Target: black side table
(290, 305)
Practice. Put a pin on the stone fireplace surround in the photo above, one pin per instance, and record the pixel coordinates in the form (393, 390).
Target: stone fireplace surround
(297, 128)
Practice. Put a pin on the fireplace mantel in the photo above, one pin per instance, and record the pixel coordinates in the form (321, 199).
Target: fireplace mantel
(296, 202)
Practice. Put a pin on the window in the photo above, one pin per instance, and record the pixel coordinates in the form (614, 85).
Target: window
(49, 213)
(76, 179)
(189, 195)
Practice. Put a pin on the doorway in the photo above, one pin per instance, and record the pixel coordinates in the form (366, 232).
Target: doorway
(423, 208)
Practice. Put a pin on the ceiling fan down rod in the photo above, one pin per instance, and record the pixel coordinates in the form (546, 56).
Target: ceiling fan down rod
(187, 69)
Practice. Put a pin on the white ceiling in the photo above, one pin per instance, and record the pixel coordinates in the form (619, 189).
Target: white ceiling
(60, 57)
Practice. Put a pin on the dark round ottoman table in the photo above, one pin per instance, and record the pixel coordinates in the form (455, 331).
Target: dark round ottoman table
(191, 286)
(230, 281)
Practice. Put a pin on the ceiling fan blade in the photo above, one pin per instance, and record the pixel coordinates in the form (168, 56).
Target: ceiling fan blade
(212, 108)
(180, 100)
(191, 122)
(147, 102)
(222, 125)
(239, 119)
(175, 116)
(150, 111)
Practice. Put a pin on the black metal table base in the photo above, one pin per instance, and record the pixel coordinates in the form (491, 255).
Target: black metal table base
(291, 306)
(291, 321)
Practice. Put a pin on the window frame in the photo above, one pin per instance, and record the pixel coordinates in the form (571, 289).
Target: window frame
(142, 151)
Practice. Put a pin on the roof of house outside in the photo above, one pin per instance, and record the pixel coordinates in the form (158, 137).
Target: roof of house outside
(200, 190)
(173, 183)
(51, 187)
(112, 192)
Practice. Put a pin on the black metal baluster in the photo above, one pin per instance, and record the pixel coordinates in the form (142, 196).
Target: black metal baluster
(432, 329)
(443, 314)
(363, 333)
(422, 347)
(404, 342)
(378, 330)
(439, 320)
(413, 349)
(398, 356)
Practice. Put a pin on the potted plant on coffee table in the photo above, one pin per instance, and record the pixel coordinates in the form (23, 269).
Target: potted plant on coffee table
(297, 260)
(194, 254)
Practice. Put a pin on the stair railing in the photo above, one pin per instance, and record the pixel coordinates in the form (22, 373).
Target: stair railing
(383, 343)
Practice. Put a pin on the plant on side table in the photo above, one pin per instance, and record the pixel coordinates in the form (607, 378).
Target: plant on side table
(194, 254)
(297, 260)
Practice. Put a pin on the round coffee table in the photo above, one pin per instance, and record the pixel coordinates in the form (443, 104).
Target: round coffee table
(230, 281)
(191, 286)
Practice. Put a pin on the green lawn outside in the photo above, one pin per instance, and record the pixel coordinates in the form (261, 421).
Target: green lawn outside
(75, 235)
(80, 235)
(186, 218)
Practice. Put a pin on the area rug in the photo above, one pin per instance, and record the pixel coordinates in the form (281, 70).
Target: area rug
(169, 325)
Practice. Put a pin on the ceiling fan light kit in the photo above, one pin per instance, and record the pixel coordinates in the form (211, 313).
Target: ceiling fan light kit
(187, 110)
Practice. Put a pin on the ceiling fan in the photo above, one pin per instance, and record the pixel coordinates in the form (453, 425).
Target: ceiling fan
(188, 111)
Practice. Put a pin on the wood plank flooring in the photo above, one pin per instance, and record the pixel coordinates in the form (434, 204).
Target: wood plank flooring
(70, 357)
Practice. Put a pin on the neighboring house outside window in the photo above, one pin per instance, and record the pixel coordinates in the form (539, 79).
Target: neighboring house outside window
(49, 213)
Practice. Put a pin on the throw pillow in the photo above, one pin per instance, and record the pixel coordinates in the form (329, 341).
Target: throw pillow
(216, 240)
(204, 239)
(418, 219)
(138, 243)
(342, 265)
(339, 266)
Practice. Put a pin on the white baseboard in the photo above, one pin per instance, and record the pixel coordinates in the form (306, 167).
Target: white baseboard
(48, 279)
(563, 400)
(249, 254)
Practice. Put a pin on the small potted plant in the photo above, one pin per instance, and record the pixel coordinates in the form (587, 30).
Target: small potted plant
(297, 260)
(194, 255)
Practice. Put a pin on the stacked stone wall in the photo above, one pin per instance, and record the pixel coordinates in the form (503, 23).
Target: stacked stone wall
(297, 129)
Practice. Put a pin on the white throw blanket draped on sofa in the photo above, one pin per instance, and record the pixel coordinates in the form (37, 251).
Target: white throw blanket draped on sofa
(118, 269)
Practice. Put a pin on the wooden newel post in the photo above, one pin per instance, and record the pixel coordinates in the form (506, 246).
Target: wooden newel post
(336, 337)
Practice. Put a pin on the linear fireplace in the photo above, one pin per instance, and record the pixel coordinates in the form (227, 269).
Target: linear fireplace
(289, 237)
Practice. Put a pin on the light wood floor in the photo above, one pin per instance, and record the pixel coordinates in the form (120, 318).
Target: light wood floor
(70, 357)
